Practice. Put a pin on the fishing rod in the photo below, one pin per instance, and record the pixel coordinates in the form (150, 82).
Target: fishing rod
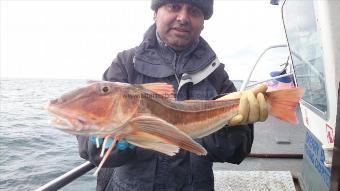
(68, 177)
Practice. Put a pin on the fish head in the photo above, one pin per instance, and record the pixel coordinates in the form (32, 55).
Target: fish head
(99, 108)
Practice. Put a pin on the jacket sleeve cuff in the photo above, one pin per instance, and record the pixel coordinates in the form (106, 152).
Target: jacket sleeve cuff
(116, 158)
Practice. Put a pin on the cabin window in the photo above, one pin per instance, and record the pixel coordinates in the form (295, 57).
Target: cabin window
(306, 52)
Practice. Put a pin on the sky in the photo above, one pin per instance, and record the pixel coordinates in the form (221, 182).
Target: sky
(78, 39)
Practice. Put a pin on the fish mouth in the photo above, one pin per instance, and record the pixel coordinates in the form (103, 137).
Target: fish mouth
(73, 124)
(65, 121)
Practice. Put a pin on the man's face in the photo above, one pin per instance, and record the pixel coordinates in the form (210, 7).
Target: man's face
(179, 24)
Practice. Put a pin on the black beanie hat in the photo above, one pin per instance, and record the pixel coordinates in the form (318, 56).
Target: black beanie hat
(205, 5)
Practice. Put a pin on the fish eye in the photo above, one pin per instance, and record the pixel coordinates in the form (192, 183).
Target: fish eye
(105, 89)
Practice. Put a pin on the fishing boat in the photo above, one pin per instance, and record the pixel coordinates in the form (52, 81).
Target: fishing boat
(313, 43)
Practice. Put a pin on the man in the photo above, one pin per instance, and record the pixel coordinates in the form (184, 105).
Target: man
(173, 52)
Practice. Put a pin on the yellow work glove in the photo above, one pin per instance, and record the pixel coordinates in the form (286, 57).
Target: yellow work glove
(252, 107)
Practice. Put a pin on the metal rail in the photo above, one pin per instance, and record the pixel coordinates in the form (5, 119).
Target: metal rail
(66, 178)
(276, 155)
(246, 80)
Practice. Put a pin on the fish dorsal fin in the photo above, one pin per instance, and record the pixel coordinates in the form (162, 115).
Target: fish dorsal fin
(164, 89)
(166, 132)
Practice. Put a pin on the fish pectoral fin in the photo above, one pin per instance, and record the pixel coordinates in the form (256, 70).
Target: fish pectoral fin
(166, 133)
(153, 143)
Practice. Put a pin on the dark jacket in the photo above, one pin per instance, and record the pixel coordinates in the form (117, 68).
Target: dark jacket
(196, 74)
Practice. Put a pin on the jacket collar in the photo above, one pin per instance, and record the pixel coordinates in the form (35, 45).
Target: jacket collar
(155, 59)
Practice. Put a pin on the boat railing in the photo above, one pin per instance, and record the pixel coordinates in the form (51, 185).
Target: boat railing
(246, 80)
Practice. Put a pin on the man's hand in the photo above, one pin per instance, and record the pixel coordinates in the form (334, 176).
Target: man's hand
(252, 108)
(121, 144)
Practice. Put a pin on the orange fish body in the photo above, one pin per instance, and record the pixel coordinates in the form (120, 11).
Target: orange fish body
(148, 119)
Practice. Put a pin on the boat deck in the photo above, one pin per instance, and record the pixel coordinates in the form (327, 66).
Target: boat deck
(271, 137)
(254, 181)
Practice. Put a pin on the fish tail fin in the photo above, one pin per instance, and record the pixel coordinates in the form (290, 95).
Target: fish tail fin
(164, 89)
(283, 103)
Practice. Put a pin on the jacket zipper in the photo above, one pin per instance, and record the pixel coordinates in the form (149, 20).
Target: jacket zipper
(175, 72)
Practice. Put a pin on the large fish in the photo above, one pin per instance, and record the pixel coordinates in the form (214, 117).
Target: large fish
(147, 116)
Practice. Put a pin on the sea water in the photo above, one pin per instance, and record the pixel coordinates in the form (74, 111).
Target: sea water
(32, 152)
